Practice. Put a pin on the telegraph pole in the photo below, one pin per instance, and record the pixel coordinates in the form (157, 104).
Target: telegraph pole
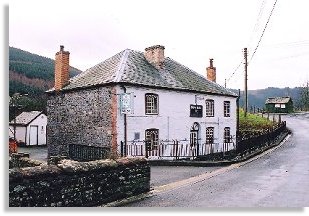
(246, 80)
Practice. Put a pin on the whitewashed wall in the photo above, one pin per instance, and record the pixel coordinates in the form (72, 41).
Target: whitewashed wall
(23, 132)
(20, 133)
(41, 122)
(174, 121)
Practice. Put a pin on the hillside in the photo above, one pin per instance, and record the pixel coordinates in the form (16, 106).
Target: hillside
(31, 74)
(257, 98)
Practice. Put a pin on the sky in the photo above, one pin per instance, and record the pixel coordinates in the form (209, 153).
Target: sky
(192, 31)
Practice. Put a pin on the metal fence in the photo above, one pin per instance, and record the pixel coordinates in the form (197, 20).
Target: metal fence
(181, 149)
(266, 139)
(173, 149)
(87, 153)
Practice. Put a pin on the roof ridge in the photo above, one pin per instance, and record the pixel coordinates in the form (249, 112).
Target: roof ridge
(214, 83)
(122, 64)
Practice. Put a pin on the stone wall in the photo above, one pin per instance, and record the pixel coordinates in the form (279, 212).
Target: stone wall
(75, 184)
(82, 117)
(19, 160)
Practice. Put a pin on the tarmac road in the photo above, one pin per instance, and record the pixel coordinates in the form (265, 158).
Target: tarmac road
(277, 178)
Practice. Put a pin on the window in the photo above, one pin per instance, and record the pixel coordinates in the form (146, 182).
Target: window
(209, 108)
(152, 139)
(151, 104)
(209, 135)
(196, 111)
(227, 108)
(136, 136)
(227, 135)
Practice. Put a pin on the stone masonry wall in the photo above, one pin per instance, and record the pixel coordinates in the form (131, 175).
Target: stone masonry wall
(82, 117)
(75, 184)
(22, 160)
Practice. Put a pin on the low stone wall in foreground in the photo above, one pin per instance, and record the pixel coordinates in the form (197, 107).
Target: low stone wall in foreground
(72, 183)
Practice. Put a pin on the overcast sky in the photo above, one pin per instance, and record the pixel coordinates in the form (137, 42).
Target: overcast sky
(192, 31)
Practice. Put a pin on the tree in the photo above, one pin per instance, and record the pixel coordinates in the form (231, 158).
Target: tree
(304, 97)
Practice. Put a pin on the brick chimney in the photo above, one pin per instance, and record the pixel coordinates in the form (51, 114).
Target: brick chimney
(155, 56)
(61, 68)
(211, 71)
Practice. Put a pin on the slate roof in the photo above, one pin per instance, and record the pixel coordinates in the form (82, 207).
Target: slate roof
(277, 100)
(26, 117)
(132, 67)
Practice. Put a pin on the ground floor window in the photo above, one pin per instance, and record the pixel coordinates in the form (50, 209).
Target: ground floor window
(152, 139)
(227, 135)
(209, 135)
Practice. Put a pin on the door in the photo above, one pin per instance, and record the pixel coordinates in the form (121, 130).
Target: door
(194, 139)
(33, 135)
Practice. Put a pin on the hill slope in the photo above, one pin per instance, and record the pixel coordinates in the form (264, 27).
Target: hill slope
(31, 74)
(257, 98)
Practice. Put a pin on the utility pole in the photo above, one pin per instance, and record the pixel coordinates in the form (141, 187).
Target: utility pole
(224, 83)
(246, 80)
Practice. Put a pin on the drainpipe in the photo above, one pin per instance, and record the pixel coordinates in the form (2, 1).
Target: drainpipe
(237, 124)
(125, 127)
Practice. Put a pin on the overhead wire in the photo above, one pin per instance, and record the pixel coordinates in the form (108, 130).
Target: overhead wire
(254, 29)
(263, 32)
(258, 20)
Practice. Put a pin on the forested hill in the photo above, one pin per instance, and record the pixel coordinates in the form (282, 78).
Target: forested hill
(31, 74)
(257, 98)
(31, 70)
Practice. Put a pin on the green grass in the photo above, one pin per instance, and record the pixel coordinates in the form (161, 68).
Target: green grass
(253, 122)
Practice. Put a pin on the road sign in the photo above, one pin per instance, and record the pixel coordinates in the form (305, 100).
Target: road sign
(126, 103)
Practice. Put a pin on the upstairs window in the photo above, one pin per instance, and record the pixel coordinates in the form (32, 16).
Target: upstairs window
(151, 104)
(227, 108)
(210, 108)
(227, 135)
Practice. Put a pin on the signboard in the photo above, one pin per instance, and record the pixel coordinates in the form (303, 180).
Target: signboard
(196, 110)
(126, 103)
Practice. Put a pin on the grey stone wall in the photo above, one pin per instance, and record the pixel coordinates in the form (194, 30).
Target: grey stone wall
(80, 117)
(75, 184)
(22, 160)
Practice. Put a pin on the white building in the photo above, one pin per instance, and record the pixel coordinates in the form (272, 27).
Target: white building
(141, 104)
(30, 128)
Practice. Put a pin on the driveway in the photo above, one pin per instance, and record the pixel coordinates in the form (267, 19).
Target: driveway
(36, 152)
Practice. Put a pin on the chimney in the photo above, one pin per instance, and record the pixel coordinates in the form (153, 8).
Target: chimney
(155, 56)
(61, 68)
(211, 71)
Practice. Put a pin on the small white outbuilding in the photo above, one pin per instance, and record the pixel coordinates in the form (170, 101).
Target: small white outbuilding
(30, 128)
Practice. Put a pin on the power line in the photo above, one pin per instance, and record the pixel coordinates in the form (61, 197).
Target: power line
(235, 70)
(257, 20)
(258, 44)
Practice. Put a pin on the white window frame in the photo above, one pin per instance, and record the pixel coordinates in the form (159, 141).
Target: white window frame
(152, 135)
(151, 104)
(227, 108)
(210, 131)
(227, 135)
(210, 108)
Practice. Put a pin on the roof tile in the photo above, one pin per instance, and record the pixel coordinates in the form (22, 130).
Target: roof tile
(131, 67)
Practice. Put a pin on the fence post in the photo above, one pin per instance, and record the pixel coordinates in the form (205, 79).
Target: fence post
(176, 141)
(121, 148)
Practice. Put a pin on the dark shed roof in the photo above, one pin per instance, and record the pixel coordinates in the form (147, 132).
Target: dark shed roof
(277, 100)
